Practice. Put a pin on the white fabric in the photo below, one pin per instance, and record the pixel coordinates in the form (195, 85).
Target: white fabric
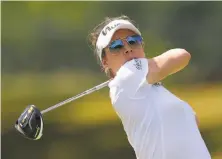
(158, 124)
(107, 32)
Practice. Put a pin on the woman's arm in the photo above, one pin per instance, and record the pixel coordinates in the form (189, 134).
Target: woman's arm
(166, 64)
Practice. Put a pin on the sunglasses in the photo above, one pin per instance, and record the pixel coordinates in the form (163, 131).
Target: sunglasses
(133, 41)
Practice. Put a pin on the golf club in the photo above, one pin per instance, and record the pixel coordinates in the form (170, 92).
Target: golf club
(30, 123)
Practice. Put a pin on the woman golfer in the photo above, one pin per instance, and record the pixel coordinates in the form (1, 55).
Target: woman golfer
(158, 124)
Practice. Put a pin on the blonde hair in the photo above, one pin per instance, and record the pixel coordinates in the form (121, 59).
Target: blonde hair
(93, 37)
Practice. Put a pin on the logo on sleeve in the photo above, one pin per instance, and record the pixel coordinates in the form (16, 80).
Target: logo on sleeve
(157, 84)
(138, 64)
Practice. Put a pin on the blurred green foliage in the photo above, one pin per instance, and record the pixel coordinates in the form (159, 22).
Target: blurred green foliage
(49, 36)
(46, 59)
(89, 127)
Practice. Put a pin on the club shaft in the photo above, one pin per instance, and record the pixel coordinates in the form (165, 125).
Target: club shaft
(102, 85)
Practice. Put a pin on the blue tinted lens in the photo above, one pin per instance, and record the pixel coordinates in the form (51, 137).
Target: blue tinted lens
(135, 39)
(115, 45)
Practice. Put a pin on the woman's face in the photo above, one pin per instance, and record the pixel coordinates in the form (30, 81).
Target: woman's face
(119, 52)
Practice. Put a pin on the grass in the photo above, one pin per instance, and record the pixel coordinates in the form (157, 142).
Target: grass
(45, 90)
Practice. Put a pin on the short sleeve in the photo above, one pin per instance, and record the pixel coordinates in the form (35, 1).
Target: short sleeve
(131, 76)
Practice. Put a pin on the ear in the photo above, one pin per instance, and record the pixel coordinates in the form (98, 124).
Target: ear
(104, 62)
(143, 44)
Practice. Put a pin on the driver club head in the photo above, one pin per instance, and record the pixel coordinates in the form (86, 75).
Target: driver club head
(30, 123)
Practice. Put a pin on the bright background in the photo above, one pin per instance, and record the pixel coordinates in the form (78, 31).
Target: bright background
(46, 59)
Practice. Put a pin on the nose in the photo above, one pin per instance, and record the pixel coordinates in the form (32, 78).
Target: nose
(128, 49)
(128, 53)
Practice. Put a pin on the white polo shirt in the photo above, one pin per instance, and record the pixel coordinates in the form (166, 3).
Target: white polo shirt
(158, 124)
